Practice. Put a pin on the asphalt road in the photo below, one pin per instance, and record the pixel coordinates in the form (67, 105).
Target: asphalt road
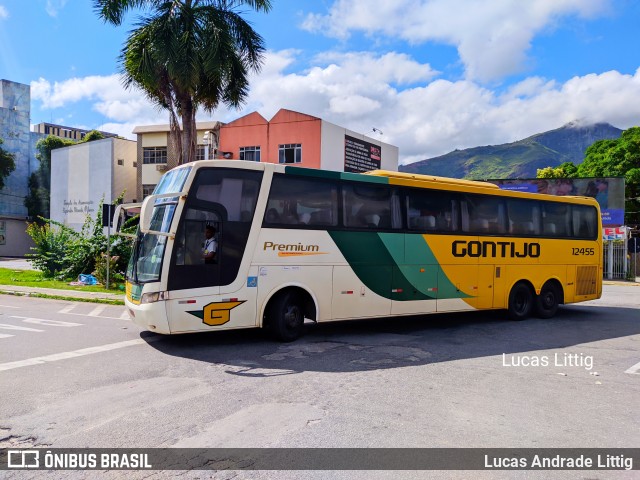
(82, 375)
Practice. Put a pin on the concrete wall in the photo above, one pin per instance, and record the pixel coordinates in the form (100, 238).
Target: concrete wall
(124, 176)
(252, 130)
(333, 148)
(288, 127)
(16, 242)
(86, 174)
(15, 106)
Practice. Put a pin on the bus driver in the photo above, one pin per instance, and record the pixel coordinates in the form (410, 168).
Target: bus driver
(210, 246)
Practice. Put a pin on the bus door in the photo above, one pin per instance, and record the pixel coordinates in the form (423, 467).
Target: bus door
(213, 292)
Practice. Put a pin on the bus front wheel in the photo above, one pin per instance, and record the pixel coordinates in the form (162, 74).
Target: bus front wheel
(286, 316)
(548, 300)
(520, 301)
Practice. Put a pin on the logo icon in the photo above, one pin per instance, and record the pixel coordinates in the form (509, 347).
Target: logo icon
(23, 459)
(217, 313)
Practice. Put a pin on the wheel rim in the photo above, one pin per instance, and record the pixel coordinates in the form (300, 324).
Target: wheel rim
(521, 302)
(292, 316)
(548, 300)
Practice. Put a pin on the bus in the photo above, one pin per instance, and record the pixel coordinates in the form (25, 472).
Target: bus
(295, 244)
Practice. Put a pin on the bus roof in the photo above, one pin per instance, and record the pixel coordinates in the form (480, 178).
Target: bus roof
(431, 179)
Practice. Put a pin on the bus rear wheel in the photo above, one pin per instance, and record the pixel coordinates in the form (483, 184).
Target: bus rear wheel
(548, 300)
(520, 301)
(286, 317)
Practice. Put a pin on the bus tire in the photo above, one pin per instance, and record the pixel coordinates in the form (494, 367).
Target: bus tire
(520, 301)
(548, 300)
(286, 316)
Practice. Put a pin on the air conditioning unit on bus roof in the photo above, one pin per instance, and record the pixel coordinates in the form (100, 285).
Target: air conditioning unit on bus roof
(161, 167)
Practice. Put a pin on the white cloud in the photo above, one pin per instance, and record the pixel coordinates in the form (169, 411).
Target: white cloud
(54, 6)
(435, 117)
(4, 13)
(424, 118)
(492, 38)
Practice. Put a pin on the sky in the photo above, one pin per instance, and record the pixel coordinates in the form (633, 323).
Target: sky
(430, 76)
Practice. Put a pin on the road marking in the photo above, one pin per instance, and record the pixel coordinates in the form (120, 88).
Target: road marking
(97, 311)
(68, 308)
(47, 322)
(8, 306)
(75, 353)
(93, 313)
(6, 326)
(635, 369)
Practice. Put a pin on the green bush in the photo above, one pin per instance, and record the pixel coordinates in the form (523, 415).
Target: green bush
(61, 252)
(51, 240)
(115, 277)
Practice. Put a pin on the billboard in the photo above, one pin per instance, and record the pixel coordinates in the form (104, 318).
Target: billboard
(361, 156)
(608, 192)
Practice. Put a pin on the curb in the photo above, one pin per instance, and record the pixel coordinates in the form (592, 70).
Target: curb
(60, 294)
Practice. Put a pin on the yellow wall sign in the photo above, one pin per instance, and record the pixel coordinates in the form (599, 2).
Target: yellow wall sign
(218, 313)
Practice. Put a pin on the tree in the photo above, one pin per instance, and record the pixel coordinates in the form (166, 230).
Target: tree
(188, 54)
(91, 136)
(7, 164)
(618, 158)
(37, 201)
(564, 170)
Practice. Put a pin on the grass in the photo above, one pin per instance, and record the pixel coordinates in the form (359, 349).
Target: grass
(34, 278)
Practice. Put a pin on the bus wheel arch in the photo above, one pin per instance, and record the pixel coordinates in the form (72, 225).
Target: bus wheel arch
(286, 310)
(521, 300)
(551, 295)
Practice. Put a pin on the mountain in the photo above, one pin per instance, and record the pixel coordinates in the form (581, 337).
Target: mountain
(519, 159)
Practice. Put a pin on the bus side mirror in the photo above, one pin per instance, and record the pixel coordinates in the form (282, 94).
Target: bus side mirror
(148, 207)
(146, 212)
(122, 213)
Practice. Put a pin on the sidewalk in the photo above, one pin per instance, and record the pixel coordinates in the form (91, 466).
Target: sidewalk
(79, 295)
(72, 294)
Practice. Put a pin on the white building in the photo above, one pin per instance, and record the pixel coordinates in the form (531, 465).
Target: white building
(84, 175)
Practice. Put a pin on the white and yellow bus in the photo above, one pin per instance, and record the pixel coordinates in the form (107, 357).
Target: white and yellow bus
(296, 244)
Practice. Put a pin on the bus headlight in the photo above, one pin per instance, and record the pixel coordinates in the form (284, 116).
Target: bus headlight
(154, 297)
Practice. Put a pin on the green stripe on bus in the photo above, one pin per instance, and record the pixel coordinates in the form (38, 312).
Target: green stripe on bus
(395, 266)
(314, 173)
(375, 266)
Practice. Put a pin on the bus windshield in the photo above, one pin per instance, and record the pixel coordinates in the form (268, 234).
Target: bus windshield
(146, 259)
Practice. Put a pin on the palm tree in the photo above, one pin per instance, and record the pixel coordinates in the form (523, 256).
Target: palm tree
(188, 54)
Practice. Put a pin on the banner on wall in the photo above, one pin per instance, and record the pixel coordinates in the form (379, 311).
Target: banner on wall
(361, 156)
(608, 192)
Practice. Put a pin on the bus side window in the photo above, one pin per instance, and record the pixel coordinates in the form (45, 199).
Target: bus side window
(524, 217)
(556, 219)
(296, 202)
(483, 214)
(429, 210)
(584, 221)
(371, 206)
(190, 239)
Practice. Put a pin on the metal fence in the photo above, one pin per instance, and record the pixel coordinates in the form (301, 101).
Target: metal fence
(616, 259)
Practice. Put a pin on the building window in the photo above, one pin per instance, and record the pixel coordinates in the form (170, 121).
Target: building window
(82, 135)
(154, 155)
(121, 161)
(200, 153)
(251, 154)
(135, 164)
(147, 190)
(290, 153)
(47, 129)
